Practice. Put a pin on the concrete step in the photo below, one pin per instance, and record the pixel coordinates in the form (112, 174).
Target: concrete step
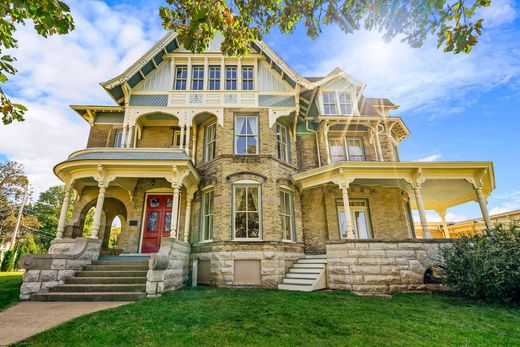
(111, 273)
(106, 280)
(295, 287)
(312, 261)
(304, 271)
(308, 266)
(111, 287)
(120, 262)
(307, 281)
(115, 267)
(93, 296)
(316, 256)
(300, 275)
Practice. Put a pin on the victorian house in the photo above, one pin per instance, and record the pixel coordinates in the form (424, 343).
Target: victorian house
(238, 171)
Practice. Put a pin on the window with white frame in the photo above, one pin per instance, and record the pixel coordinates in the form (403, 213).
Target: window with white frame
(246, 211)
(210, 131)
(214, 78)
(231, 78)
(287, 215)
(181, 77)
(207, 215)
(197, 78)
(247, 78)
(329, 103)
(346, 148)
(355, 149)
(359, 216)
(337, 149)
(246, 135)
(118, 138)
(176, 140)
(345, 103)
(282, 142)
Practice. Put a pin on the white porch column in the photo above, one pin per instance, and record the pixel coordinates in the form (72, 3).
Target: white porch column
(63, 213)
(422, 214)
(445, 229)
(187, 219)
(99, 211)
(483, 207)
(181, 144)
(188, 140)
(344, 185)
(130, 136)
(123, 136)
(175, 209)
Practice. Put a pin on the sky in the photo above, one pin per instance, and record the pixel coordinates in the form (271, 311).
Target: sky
(458, 107)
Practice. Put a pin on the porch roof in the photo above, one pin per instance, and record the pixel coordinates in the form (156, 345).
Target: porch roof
(444, 184)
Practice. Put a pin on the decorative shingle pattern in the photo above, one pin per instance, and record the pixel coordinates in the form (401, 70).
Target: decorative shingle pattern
(149, 100)
(109, 118)
(276, 101)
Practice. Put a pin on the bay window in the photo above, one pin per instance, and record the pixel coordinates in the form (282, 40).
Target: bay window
(246, 211)
(246, 135)
(207, 215)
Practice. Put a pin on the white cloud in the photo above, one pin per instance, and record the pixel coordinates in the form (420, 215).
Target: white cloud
(505, 202)
(432, 216)
(432, 157)
(59, 71)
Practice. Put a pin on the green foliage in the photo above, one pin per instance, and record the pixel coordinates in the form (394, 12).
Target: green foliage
(48, 17)
(114, 235)
(89, 221)
(241, 21)
(12, 185)
(10, 283)
(486, 266)
(8, 261)
(24, 246)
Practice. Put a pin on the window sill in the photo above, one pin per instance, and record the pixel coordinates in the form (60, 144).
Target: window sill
(288, 241)
(248, 240)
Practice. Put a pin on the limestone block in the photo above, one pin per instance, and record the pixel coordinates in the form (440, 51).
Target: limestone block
(155, 275)
(382, 279)
(369, 288)
(400, 253)
(366, 253)
(354, 279)
(410, 245)
(28, 288)
(221, 256)
(375, 261)
(48, 275)
(409, 277)
(383, 245)
(337, 254)
(416, 266)
(59, 264)
(151, 287)
(392, 269)
(46, 286)
(398, 287)
(31, 276)
(340, 270)
(64, 274)
(366, 269)
(361, 245)
(76, 264)
(341, 262)
(24, 297)
(160, 287)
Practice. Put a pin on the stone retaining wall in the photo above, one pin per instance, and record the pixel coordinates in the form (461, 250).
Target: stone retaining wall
(168, 268)
(65, 257)
(383, 266)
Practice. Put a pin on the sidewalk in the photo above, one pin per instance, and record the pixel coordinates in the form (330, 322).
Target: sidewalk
(29, 318)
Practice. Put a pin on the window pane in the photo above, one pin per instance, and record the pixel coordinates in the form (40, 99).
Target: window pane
(341, 217)
(252, 199)
(337, 150)
(241, 225)
(253, 225)
(240, 198)
(247, 78)
(251, 125)
(167, 221)
(231, 78)
(251, 145)
(151, 223)
(214, 78)
(181, 75)
(241, 145)
(361, 222)
(355, 149)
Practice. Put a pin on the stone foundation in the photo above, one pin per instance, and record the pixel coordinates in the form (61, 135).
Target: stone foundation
(383, 266)
(239, 264)
(65, 257)
(168, 268)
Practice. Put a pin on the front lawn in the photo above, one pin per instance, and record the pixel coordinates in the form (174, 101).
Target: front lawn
(10, 283)
(239, 317)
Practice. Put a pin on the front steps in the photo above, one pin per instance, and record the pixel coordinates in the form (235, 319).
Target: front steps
(306, 274)
(107, 279)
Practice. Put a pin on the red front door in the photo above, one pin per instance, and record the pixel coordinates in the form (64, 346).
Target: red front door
(157, 222)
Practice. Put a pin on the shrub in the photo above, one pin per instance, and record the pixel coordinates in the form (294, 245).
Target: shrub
(485, 266)
(8, 261)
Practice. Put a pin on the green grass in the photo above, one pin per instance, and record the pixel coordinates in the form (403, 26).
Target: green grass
(10, 283)
(241, 317)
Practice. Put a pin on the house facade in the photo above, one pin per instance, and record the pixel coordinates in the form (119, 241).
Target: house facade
(254, 168)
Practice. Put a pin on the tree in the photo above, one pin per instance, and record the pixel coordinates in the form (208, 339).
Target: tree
(8, 261)
(48, 16)
(12, 185)
(241, 21)
(26, 245)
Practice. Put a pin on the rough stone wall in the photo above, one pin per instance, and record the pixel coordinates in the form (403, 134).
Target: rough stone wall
(382, 266)
(386, 147)
(102, 135)
(275, 257)
(156, 137)
(314, 220)
(307, 151)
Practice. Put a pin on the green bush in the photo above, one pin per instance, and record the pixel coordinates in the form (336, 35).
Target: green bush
(485, 266)
(8, 261)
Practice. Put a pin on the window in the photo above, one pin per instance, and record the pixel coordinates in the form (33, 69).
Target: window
(181, 77)
(176, 141)
(287, 215)
(246, 135)
(214, 78)
(118, 138)
(329, 103)
(197, 78)
(345, 103)
(355, 149)
(231, 78)
(247, 78)
(359, 217)
(209, 141)
(337, 149)
(207, 215)
(246, 211)
(282, 142)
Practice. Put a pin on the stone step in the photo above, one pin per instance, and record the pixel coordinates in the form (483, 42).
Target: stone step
(301, 275)
(92, 296)
(312, 261)
(120, 262)
(295, 287)
(304, 271)
(308, 266)
(110, 287)
(111, 273)
(306, 281)
(106, 280)
(316, 256)
(116, 267)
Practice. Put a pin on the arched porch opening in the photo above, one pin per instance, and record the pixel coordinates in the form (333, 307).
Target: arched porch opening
(157, 130)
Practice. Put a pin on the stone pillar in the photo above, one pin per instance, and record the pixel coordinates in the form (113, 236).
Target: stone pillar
(349, 230)
(422, 214)
(63, 213)
(99, 211)
(483, 207)
(130, 137)
(187, 219)
(175, 210)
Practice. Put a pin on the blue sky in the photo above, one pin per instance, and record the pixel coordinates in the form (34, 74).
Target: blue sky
(458, 107)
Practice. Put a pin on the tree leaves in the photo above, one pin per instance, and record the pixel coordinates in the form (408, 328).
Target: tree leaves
(241, 21)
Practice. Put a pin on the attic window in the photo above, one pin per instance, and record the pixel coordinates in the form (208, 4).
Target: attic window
(337, 103)
(329, 103)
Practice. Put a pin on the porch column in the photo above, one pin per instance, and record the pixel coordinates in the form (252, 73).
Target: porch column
(344, 186)
(187, 219)
(378, 144)
(63, 213)
(130, 137)
(181, 144)
(445, 229)
(123, 136)
(188, 140)
(175, 209)
(422, 215)
(483, 207)
(99, 211)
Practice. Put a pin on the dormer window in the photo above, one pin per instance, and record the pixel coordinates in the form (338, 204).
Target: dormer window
(329, 103)
(337, 103)
(345, 103)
